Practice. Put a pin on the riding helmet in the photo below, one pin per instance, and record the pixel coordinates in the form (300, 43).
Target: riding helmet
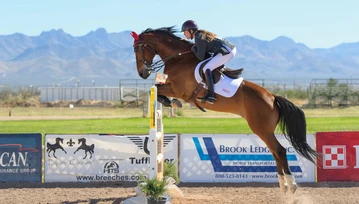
(189, 25)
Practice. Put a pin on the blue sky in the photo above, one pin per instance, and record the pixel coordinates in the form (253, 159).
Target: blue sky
(316, 23)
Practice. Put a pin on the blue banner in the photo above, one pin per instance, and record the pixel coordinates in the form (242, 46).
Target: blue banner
(20, 157)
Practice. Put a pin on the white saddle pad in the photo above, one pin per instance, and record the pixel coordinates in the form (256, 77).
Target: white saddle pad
(226, 86)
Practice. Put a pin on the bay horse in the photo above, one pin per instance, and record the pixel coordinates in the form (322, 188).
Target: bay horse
(262, 110)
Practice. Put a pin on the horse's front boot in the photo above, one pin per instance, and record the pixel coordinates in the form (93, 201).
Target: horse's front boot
(210, 98)
(176, 103)
(164, 100)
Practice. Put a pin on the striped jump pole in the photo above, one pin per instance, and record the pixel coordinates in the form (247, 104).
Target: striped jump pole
(156, 136)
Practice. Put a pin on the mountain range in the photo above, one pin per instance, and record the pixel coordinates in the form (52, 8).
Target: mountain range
(55, 57)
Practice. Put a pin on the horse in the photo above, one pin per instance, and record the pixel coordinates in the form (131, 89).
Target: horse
(262, 110)
(84, 146)
(53, 147)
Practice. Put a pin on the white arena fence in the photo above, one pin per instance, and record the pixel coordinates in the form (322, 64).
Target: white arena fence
(199, 157)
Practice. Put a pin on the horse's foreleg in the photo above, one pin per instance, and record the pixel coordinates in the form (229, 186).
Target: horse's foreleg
(63, 150)
(54, 153)
(85, 155)
(164, 100)
(163, 92)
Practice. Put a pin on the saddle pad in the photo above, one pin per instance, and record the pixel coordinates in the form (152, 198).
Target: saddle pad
(225, 87)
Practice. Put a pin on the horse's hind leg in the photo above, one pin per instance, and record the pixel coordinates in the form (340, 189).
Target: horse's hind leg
(281, 153)
(285, 177)
(263, 123)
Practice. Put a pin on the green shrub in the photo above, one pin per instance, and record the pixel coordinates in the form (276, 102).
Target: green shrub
(170, 170)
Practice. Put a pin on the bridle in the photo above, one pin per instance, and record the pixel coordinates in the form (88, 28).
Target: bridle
(149, 65)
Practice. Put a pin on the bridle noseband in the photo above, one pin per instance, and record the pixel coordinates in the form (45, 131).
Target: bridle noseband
(149, 65)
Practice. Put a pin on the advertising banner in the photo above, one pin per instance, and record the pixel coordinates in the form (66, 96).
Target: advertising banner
(87, 158)
(20, 157)
(237, 158)
(340, 156)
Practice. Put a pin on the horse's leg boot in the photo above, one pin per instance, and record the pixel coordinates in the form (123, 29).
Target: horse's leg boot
(210, 92)
(164, 100)
(176, 103)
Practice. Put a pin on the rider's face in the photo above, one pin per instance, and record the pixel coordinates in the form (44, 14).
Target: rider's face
(187, 34)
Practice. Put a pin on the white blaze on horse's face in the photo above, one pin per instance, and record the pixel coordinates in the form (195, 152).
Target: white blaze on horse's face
(144, 55)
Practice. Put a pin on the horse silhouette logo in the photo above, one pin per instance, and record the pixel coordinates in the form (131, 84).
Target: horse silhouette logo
(87, 148)
(54, 147)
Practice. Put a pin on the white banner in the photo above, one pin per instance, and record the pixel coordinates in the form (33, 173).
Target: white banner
(237, 158)
(101, 157)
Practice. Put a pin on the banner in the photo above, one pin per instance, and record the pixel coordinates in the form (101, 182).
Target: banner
(340, 156)
(101, 157)
(20, 157)
(237, 158)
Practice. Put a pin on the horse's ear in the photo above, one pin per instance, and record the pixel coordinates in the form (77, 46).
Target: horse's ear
(135, 36)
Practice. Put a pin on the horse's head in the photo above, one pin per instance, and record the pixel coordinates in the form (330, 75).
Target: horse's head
(58, 140)
(82, 140)
(145, 52)
(152, 42)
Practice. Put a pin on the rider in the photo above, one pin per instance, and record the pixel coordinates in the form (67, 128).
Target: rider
(206, 41)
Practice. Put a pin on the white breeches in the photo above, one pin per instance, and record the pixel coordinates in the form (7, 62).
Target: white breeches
(220, 59)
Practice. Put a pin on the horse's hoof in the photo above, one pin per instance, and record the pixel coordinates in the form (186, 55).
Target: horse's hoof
(293, 189)
(284, 189)
(176, 103)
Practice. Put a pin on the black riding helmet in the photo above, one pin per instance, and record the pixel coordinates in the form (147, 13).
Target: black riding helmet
(189, 25)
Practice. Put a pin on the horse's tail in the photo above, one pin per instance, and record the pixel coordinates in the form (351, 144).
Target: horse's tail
(293, 125)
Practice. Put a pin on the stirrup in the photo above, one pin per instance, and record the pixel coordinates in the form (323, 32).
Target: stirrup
(208, 99)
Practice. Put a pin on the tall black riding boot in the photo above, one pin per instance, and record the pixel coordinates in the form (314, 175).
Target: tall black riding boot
(210, 92)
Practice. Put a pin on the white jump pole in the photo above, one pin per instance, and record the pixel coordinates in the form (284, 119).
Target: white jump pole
(156, 136)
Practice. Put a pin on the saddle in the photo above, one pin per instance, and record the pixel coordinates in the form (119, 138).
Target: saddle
(221, 70)
(216, 74)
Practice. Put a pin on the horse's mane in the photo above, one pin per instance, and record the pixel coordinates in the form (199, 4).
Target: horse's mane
(169, 31)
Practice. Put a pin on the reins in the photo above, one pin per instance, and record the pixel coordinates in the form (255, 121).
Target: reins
(158, 65)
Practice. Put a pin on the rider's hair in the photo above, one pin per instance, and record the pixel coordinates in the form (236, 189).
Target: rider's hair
(207, 35)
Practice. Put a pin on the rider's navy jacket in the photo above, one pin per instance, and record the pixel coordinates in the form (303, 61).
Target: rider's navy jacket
(215, 46)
